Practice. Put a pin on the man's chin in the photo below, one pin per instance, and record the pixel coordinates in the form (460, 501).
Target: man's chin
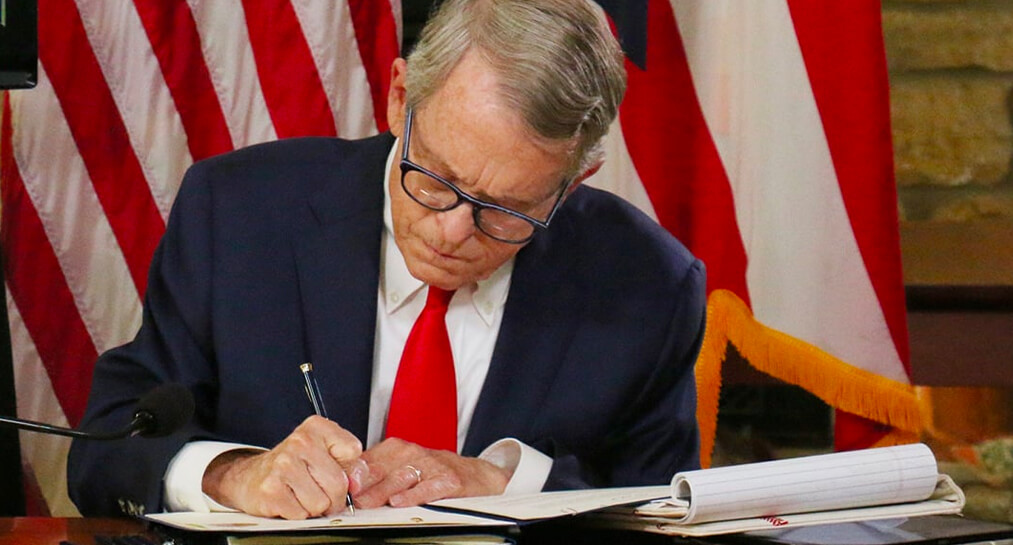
(435, 275)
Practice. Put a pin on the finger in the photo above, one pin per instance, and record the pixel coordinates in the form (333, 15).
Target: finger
(274, 498)
(338, 501)
(389, 455)
(327, 447)
(341, 444)
(371, 478)
(334, 483)
(312, 500)
(395, 481)
(328, 474)
(426, 491)
(288, 510)
(358, 474)
(345, 449)
(295, 472)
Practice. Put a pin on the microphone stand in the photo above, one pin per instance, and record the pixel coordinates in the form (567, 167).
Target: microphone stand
(142, 420)
(159, 412)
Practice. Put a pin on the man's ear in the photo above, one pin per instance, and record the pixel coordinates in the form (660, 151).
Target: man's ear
(396, 96)
(585, 175)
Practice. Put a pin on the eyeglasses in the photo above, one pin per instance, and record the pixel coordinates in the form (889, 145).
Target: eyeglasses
(435, 193)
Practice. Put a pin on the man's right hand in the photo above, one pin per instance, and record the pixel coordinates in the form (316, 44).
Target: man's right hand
(306, 475)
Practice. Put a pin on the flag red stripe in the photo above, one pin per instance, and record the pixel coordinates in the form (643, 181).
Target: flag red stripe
(40, 291)
(288, 76)
(376, 34)
(172, 31)
(842, 45)
(87, 103)
(672, 150)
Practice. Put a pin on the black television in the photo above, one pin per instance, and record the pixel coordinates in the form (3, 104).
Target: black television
(19, 44)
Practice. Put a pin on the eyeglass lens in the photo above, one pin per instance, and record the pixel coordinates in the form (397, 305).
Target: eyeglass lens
(436, 195)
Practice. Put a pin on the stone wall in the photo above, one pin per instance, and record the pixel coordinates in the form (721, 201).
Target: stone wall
(951, 73)
(951, 78)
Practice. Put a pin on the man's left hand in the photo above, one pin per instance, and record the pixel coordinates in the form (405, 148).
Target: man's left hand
(404, 474)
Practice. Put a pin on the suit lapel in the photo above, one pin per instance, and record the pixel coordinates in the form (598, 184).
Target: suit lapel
(338, 262)
(538, 325)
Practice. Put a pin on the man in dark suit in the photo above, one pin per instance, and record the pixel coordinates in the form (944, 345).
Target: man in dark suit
(573, 346)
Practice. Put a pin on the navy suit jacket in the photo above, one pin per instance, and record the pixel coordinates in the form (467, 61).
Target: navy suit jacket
(271, 258)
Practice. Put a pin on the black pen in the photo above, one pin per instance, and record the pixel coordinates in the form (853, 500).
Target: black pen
(313, 391)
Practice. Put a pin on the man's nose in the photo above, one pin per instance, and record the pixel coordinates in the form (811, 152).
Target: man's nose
(458, 224)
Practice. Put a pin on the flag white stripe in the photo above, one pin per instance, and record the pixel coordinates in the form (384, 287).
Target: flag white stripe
(618, 174)
(230, 61)
(330, 34)
(395, 9)
(36, 400)
(805, 273)
(142, 97)
(72, 217)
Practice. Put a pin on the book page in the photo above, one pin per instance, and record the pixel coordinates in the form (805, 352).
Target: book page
(382, 517)
(543, 505)
(826, 482)
(451, 512)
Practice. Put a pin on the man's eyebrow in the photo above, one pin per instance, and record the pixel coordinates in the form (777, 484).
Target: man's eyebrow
(438, 165)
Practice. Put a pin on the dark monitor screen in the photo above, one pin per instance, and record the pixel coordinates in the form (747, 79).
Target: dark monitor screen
(19, 44)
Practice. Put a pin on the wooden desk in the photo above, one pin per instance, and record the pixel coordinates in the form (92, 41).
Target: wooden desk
(51, 531)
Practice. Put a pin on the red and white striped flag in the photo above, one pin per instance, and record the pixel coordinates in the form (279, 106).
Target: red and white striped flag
(130, 94)
(758, 133)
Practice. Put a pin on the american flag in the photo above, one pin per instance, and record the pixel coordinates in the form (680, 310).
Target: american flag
(759, 134)
(130, 93)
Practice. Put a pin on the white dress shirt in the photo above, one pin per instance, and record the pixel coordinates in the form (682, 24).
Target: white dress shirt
(473, 321)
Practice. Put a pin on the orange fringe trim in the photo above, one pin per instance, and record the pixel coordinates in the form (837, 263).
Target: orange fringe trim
(796, 362)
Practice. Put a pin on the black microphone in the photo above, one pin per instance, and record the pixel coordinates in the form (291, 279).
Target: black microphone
(160, 412)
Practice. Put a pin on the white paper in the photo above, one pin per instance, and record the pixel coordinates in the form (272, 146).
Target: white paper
(946, 499)
(666, 507)
(543, 505)
(840, 486)
(382, 517)
(826, 482)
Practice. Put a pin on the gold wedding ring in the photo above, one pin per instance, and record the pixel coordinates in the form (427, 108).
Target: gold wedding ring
(417, 472)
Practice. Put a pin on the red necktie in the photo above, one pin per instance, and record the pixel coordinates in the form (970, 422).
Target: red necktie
(423, 405)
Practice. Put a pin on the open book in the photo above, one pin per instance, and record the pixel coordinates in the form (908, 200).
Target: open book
(860, 485)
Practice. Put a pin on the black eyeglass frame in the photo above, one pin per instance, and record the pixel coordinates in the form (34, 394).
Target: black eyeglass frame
(477, 205)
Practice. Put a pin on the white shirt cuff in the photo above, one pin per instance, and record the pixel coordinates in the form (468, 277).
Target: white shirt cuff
(185, 475)
(530, 467)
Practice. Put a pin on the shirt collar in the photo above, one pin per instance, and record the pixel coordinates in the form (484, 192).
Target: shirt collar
(397, 285)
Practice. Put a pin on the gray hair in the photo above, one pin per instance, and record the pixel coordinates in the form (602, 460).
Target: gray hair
(556, 61)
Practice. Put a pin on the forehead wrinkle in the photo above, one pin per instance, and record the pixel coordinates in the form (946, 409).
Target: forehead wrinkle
(441, 167)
